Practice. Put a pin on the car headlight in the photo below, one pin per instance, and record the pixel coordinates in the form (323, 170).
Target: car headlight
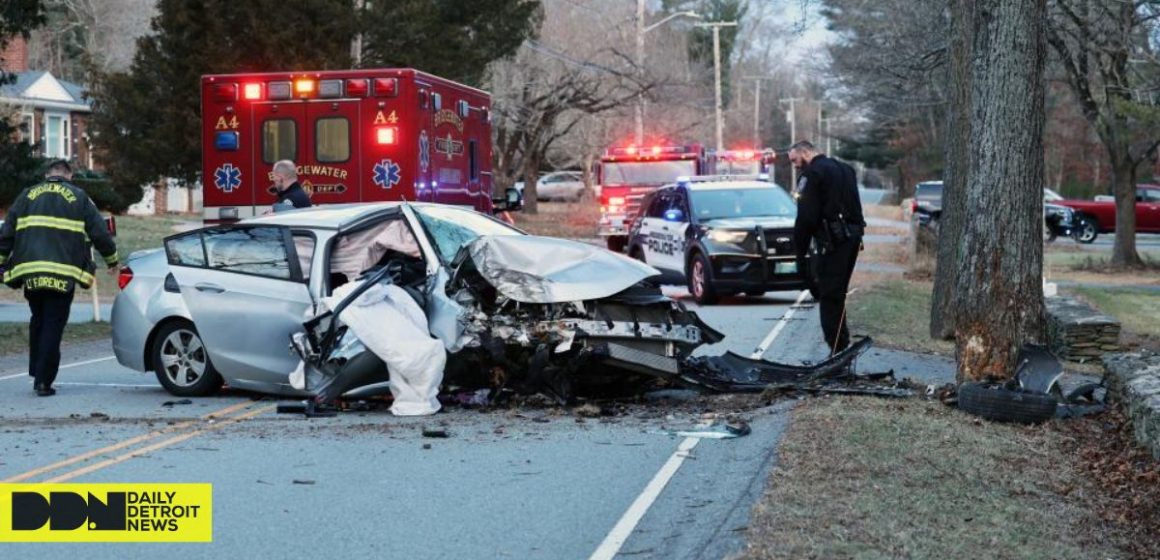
(728, 237)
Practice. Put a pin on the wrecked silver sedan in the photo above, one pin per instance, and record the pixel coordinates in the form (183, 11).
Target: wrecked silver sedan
(394, 298)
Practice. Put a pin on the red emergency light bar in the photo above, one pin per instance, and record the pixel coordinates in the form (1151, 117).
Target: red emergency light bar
(252, 92)
(646, 151)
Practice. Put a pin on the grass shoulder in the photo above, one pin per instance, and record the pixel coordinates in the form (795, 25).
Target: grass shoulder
(14, 336)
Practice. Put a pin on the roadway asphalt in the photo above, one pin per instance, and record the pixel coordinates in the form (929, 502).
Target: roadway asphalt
(518, 483)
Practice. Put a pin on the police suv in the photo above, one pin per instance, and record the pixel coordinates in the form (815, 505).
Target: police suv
(720, 235)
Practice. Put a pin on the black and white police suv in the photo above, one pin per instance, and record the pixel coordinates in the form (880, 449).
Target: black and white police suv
(720, 235)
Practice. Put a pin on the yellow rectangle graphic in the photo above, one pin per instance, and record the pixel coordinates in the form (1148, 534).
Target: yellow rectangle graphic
(119, 512)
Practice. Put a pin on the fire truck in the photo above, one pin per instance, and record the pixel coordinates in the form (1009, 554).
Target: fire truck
(626, 174)
(355, 136)
(739, 162)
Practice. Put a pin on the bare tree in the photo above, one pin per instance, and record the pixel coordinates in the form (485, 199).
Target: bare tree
(999, 294)
(84, 35)
(1107, 49)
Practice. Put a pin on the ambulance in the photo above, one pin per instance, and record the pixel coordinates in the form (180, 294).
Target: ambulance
(355, 136)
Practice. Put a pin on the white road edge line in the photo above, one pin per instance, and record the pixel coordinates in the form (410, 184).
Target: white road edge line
(624, 528)
(78, 364)
(764, 346)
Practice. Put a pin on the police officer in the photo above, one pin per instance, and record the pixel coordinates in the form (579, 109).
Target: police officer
(44, 246)
(830, 220)
(290, 192)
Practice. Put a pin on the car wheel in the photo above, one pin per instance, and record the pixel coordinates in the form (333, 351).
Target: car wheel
(1087, 231)
(182, 363)
(701, 281)
(1005, 405)
(616, 243)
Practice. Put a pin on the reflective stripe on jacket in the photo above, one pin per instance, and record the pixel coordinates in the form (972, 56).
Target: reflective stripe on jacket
(46, 237)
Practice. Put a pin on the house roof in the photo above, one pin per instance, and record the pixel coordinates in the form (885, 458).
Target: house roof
(40, 89)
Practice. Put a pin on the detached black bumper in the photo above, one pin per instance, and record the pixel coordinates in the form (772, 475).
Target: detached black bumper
(751, 273)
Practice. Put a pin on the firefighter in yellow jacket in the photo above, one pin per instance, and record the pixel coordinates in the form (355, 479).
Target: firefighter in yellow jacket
(45, 249)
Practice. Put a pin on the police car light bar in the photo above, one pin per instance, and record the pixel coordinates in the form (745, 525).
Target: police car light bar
(720, 178)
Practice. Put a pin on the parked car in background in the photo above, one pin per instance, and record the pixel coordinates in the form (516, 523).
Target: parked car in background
(1094, 217)
(558, 185)
(926, 207)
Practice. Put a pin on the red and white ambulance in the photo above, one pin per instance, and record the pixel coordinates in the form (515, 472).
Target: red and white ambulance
(355, 135)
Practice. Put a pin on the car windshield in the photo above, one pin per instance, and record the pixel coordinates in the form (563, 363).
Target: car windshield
(716, 204)
(452, 228)
(646, 172)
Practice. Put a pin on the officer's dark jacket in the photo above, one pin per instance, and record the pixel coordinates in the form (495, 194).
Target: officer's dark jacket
(295, 195)
(44, 242)
(826, 189)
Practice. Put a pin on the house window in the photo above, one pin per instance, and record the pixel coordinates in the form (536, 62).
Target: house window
(28, 128)
(56, 136)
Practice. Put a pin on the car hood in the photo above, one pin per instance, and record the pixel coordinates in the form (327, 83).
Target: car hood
(769, 222)
(533, 269)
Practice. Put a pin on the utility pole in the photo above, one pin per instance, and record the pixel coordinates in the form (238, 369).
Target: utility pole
(791, 116)
(716, 26)
(357, 43)
(757, 108)
(638, 111)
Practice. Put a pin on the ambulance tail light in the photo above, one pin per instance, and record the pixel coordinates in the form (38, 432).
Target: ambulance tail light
(386, 135)
(356, 88)
(386, 87)
(304, 87)
(225, 93)
(252, 92)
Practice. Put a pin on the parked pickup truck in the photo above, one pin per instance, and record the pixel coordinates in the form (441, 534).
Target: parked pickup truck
(1094, 217)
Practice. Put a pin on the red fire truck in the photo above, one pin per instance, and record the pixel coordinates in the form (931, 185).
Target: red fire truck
(355, 135)
(739, 162)
(627, 174)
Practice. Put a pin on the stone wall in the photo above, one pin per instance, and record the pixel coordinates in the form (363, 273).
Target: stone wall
(1134, 383)
(1078, 333)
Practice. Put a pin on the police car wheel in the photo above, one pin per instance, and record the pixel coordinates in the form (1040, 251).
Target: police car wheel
(701, 281)
(638, 254)
(182, 363)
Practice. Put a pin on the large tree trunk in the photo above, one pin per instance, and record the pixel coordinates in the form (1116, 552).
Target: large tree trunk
(999, 296)
(942, 321)
(1124, 188)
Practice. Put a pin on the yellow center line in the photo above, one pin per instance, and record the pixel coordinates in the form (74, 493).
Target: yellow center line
(161, 444)
(132, 441)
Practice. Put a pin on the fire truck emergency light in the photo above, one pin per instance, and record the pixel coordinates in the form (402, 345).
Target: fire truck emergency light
(252, 91)
(387, 135)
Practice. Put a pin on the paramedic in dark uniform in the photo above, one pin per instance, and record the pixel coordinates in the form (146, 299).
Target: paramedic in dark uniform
(830, 218)
(44, 248)
(290, 192)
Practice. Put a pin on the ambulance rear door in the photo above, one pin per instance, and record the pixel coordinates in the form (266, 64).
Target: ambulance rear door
(281, 134)
(329, 170)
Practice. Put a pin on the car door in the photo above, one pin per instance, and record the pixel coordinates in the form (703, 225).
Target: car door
(649, 220)
(1148, 210)
(663, 244)
(244, 290)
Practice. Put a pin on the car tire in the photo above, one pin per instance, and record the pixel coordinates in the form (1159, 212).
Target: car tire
(1006, 405)
(1087, 230)
(181, 362)
(700, 279)
(616, 243)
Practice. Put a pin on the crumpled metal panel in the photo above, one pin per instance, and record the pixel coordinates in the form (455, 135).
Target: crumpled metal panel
(532, 269)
